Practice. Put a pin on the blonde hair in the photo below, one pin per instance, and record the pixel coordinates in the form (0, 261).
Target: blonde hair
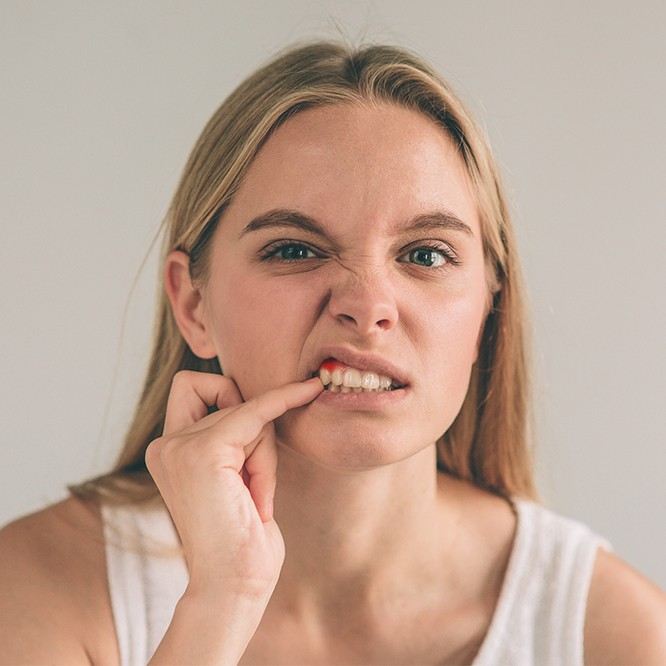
(489, 443)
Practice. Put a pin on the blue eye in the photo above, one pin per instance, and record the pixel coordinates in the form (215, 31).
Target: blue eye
(290, 252)
(428, 254)
(287, 256)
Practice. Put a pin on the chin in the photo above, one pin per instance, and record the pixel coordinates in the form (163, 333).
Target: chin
(352, 448)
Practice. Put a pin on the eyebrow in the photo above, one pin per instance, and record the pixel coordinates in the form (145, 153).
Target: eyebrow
(284, 217)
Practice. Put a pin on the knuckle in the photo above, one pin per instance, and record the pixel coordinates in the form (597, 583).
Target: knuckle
(181, 377)
(157, 448)
(153, 446)
(152, 452)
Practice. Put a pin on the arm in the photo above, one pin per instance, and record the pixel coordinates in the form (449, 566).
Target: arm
(211, 631)
(38, 620)
(625, 620)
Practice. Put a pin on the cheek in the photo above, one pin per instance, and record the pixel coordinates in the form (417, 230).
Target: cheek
(452, 334)
(259, 331)
(456, 315)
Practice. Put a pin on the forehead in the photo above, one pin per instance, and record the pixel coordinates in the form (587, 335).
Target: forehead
(345, 163)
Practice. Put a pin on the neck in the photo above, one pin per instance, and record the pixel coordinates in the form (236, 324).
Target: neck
(362, 542)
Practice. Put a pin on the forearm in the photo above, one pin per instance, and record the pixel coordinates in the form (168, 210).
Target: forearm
(211, 631)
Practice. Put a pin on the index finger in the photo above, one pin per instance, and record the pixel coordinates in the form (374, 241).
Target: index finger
(245, 423)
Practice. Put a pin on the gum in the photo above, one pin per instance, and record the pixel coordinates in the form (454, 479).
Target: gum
(331, 364)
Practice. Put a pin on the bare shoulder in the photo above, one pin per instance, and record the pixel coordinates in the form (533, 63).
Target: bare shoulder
(625, 621)
(55, 598)
(49, 531)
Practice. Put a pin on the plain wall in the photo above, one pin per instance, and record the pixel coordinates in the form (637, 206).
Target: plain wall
(101, 103)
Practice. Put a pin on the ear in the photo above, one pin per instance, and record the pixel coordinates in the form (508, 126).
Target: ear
(187, 304)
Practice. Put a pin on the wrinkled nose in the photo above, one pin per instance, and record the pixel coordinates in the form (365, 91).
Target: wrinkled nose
(364, 301)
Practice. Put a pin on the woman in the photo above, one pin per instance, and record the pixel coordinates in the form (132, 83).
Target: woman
(333, 432)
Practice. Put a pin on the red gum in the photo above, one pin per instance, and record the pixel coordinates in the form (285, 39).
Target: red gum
(331, 364)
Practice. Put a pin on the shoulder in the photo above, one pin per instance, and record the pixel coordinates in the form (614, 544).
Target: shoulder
(61, 541)
(54, 525)
(625, 620)
(53, 581)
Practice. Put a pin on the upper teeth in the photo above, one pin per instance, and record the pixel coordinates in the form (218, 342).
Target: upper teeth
(353, 378)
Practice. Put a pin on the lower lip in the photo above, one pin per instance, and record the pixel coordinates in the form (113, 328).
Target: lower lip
(362, 400)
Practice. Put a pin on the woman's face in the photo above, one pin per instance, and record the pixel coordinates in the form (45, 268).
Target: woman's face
(362, 174)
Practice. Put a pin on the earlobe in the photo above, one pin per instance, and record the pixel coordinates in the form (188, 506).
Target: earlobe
(187, 304)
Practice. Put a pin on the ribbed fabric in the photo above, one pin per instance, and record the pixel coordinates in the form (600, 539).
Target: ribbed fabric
(538, 620)
(144, 588)
(540, 615)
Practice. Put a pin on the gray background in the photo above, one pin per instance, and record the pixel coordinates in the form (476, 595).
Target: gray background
(101, 103)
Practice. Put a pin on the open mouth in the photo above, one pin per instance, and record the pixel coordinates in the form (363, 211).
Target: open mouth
(340, 378)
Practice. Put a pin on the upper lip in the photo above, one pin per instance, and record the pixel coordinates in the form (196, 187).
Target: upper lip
(362, 361)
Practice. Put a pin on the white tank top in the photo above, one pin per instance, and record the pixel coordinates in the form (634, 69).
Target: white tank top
(538, 619)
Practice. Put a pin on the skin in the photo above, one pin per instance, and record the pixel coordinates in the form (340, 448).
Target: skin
(368, 523)
(379, 547)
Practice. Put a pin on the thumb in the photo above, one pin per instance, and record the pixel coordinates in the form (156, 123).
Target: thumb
(261, 466)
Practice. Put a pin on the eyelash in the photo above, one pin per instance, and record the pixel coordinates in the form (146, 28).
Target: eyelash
(270, 253)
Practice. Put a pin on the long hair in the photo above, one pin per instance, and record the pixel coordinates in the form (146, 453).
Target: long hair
(489, 442)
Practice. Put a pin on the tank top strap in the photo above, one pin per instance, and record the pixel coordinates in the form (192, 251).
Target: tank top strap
(146, 576)
(540, 615)
(538, 619)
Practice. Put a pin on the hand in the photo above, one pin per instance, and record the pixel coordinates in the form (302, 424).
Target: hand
(217, 474)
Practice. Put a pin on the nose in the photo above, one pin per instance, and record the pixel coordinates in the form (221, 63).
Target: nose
(364, 301)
